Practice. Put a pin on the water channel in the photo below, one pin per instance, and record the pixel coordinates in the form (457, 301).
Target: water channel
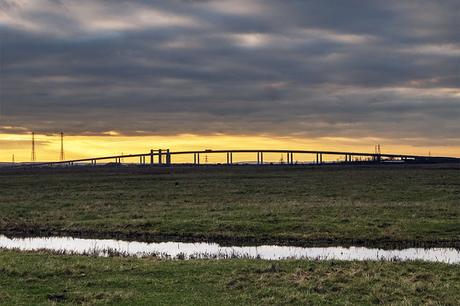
(180, 250)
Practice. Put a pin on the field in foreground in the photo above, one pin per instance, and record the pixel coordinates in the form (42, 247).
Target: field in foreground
(35, 279)
(287, 205)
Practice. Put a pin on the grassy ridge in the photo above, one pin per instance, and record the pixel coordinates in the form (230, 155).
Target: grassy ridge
(38, 279)
(242, 203)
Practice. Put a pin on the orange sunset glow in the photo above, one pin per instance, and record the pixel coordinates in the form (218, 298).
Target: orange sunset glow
(76, 147)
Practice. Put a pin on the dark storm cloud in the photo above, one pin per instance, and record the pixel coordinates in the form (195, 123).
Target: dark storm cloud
(305, 68)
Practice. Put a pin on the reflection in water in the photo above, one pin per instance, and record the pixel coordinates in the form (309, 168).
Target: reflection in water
(106, 247)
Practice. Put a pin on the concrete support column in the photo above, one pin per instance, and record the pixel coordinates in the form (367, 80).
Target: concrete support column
(160, 157)
(151, 157)
(229, 158)
(258, 158)
(261, 158)
(168, 157)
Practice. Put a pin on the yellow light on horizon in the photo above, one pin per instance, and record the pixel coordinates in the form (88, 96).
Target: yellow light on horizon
(48, 146)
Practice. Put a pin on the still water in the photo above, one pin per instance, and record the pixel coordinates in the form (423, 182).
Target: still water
(107, 247)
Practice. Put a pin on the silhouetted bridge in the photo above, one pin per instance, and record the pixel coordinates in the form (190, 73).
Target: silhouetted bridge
(165, 157)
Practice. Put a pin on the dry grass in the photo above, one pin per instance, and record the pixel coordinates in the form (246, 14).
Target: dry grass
(283, 205)
(40, 279)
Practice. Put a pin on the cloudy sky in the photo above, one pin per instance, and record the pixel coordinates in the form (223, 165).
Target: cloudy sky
(384, 70)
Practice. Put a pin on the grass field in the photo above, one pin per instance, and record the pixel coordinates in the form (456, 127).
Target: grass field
(299, 205)
(41, 279)
(397, 205)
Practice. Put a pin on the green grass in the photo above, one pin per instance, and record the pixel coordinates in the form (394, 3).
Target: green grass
(239, 204)
(42, 279)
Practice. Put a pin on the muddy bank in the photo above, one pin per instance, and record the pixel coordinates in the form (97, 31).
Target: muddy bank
(224, 240)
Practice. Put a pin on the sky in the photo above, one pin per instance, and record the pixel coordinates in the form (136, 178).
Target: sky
(127, 76)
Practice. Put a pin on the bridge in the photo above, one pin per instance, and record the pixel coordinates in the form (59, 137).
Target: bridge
(166, 157)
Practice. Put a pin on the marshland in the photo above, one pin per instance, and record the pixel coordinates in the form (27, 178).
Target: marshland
(379, 207)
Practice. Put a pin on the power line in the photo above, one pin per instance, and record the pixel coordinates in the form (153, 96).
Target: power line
(62, 155)
(33, 157)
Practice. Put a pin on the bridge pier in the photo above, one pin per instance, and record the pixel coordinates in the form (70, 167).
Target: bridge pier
(348, 158)
(319, 158)
(160, 157)
(151, 157)
(260, 158)
(229, 158)
(196, 158)
(168, 157)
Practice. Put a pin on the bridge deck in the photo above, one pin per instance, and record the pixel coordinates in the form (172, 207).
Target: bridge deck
(164, 156)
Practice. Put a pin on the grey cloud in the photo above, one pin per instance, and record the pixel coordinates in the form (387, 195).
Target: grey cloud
(311, 68)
